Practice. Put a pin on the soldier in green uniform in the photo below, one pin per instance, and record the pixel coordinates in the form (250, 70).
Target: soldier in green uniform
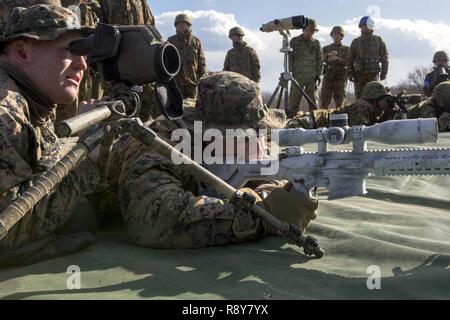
(335, 71)
(373, 107)
(193, 65)
(306, 65)
(439, 74)
(163, 207)
(37, 72)
(368, 58)
(242, 58)
(438, 106)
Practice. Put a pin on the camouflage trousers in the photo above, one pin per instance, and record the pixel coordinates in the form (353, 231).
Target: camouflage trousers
(333, 89)
(295, 97)
(61, 223)
(361, 80)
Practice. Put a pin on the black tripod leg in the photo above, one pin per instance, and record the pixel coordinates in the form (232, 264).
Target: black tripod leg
(280, 96)
(311, 103)
(274, 95)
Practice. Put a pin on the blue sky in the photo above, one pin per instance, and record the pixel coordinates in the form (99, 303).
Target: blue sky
(413, 30)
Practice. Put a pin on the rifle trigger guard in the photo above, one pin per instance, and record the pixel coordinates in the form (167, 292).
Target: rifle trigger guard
(243, 200)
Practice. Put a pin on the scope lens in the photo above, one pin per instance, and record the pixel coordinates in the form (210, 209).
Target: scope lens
(169, 61)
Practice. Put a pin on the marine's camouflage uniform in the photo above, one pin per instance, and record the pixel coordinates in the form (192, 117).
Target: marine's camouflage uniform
(244, 60)
(133, 12)
(335, 76)
(428, 109)
(27, 150)
(368, 60)
(432, 80)
(306, 65)
(359, 113)
(193, 64)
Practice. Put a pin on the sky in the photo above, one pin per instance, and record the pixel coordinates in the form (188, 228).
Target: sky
(412, 30)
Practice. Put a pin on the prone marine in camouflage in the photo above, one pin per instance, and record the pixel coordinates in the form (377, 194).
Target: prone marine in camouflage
(163, 207)
(368, 59)
(440, 73)
(61, 222)
(193, 65)
(335, 70)
(437, 106)
(372, 108)
(306, 65)
(242, 58)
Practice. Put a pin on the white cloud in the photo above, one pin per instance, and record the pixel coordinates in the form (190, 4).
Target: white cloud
(410, 42)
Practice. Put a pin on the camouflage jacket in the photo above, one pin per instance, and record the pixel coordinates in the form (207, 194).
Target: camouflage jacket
(368, 54)
(90, 11)
(335, 70)
(193, 64)
(244, 60)
(306, 59)
(359, 113)
(426, 109)
(127, 12)
(432, 80)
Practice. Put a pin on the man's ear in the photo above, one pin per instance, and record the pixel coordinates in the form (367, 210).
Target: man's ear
(19, 51)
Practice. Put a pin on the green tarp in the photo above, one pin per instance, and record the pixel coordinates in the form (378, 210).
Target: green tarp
(401, 227)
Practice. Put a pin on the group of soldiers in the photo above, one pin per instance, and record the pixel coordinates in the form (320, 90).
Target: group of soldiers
(161, 205)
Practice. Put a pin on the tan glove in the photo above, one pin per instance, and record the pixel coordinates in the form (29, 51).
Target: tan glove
(291, 207)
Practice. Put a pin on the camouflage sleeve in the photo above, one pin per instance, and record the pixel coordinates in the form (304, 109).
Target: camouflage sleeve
(201, 70)
(350, 60)
(444, 122)
(226, 64)
(256, 66)
(384, 58)
(148, 15)
(319, 59)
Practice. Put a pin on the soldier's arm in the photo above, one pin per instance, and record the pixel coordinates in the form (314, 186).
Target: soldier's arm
(226, 64)
(444, 122)
(319, 59)
(384, 58)
(148, 15)
(201, 70)
(350, 60)
(291, 56)
(256, 66)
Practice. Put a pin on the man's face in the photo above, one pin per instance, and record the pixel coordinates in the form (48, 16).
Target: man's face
(236, 39)
(383, 104)
(365, 30)
(182, 26)
(441, 63)
(53, 69)
(308, 33)
(337, 37)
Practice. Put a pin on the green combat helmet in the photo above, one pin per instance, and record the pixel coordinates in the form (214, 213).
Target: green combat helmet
(8, 5)
(236, 31)
(183, 17)
(228, 100)
(41, 22)
(440, 56)
(441, 94)
(338, 29)
(312, 24)
(374, 90)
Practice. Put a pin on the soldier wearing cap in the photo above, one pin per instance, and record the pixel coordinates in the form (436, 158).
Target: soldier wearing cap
(37, 72)
(242, 58)
(335, 70)
(306, 65)
(163, 207)
(439, 74)
(437, 106)
(368, 59)
(193, 65)
(372, 108)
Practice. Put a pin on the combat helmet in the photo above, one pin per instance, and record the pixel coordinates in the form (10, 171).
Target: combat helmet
(374, 90)
(337, 29)
(230, 100)
(440, 55)
(41, 22)
(8, 5)
(183, 17)
(312, 24)
(236, 31)
(441, 94)
(367, 21)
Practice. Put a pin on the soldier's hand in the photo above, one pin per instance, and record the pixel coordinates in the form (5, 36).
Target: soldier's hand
(383, 77)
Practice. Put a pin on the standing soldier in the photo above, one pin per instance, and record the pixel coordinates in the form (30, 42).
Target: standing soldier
(193, 65)
(368, 58)
(335, 72)
(306, 65)
(242, 58)
(439, 74)
(133, 12)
